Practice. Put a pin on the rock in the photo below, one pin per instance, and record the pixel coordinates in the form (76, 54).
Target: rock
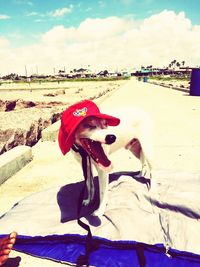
(50, 94)
(10, 105)
(59, 92)
(20, 104)
(20, 129)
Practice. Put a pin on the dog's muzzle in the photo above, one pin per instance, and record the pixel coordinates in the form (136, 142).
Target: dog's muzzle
(110, 138)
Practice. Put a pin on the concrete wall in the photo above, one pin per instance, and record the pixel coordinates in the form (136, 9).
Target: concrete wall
(13, 160)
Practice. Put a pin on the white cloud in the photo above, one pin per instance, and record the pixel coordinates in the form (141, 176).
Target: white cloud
(31, 14)
(30, 3)
(61, 12)
(4, 16)
(4, 43)
(58, 13)
(96, 29)
(101, 4)
(110, 42)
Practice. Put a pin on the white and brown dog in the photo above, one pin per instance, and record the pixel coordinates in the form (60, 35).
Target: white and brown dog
(84, 126)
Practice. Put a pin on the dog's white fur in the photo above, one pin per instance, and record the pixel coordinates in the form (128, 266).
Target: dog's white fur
(134, 133)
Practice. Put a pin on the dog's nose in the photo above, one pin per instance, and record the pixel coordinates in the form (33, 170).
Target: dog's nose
(110, 138)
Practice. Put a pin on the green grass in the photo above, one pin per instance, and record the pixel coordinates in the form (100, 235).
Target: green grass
(97, 79)
(170, 78)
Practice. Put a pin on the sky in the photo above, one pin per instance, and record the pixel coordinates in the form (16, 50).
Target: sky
(45, 36)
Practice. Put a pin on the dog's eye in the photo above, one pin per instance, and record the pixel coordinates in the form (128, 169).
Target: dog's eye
(105, 124)
(89, 126)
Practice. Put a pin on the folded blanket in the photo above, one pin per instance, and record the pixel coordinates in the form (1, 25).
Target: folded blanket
(138, 228)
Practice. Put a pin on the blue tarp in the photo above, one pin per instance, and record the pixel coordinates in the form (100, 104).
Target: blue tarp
(135, 230)
(106, 253)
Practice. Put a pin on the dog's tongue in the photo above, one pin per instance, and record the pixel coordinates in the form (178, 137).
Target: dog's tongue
(95, 150)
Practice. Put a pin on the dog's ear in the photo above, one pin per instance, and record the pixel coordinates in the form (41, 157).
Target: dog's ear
(105, 123)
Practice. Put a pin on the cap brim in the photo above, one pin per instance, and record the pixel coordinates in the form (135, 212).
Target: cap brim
(66, 142)
(112, 121)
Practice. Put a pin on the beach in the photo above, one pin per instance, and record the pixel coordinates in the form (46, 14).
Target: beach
(28, 108)
(176, 142)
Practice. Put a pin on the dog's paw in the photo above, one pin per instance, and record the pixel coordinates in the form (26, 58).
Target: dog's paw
(145, 172)
(154, 186)
(148, 184)
(99, 212)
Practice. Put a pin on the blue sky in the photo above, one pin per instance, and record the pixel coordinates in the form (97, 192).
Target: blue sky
(29, 18)
(26, 23)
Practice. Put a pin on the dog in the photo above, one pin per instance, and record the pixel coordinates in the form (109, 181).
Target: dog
(100, 140)
(101, 135)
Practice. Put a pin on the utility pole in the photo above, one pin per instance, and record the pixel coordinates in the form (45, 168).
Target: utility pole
(25, 71)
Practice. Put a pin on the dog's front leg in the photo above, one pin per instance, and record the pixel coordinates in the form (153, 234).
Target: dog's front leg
(103, 193)
(89, 184)
(90, 191)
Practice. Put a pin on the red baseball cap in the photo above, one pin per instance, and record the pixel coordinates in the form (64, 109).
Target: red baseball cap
(71, 118)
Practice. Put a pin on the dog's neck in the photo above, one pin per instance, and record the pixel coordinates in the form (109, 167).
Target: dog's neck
(86, 162)
(78, 149)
